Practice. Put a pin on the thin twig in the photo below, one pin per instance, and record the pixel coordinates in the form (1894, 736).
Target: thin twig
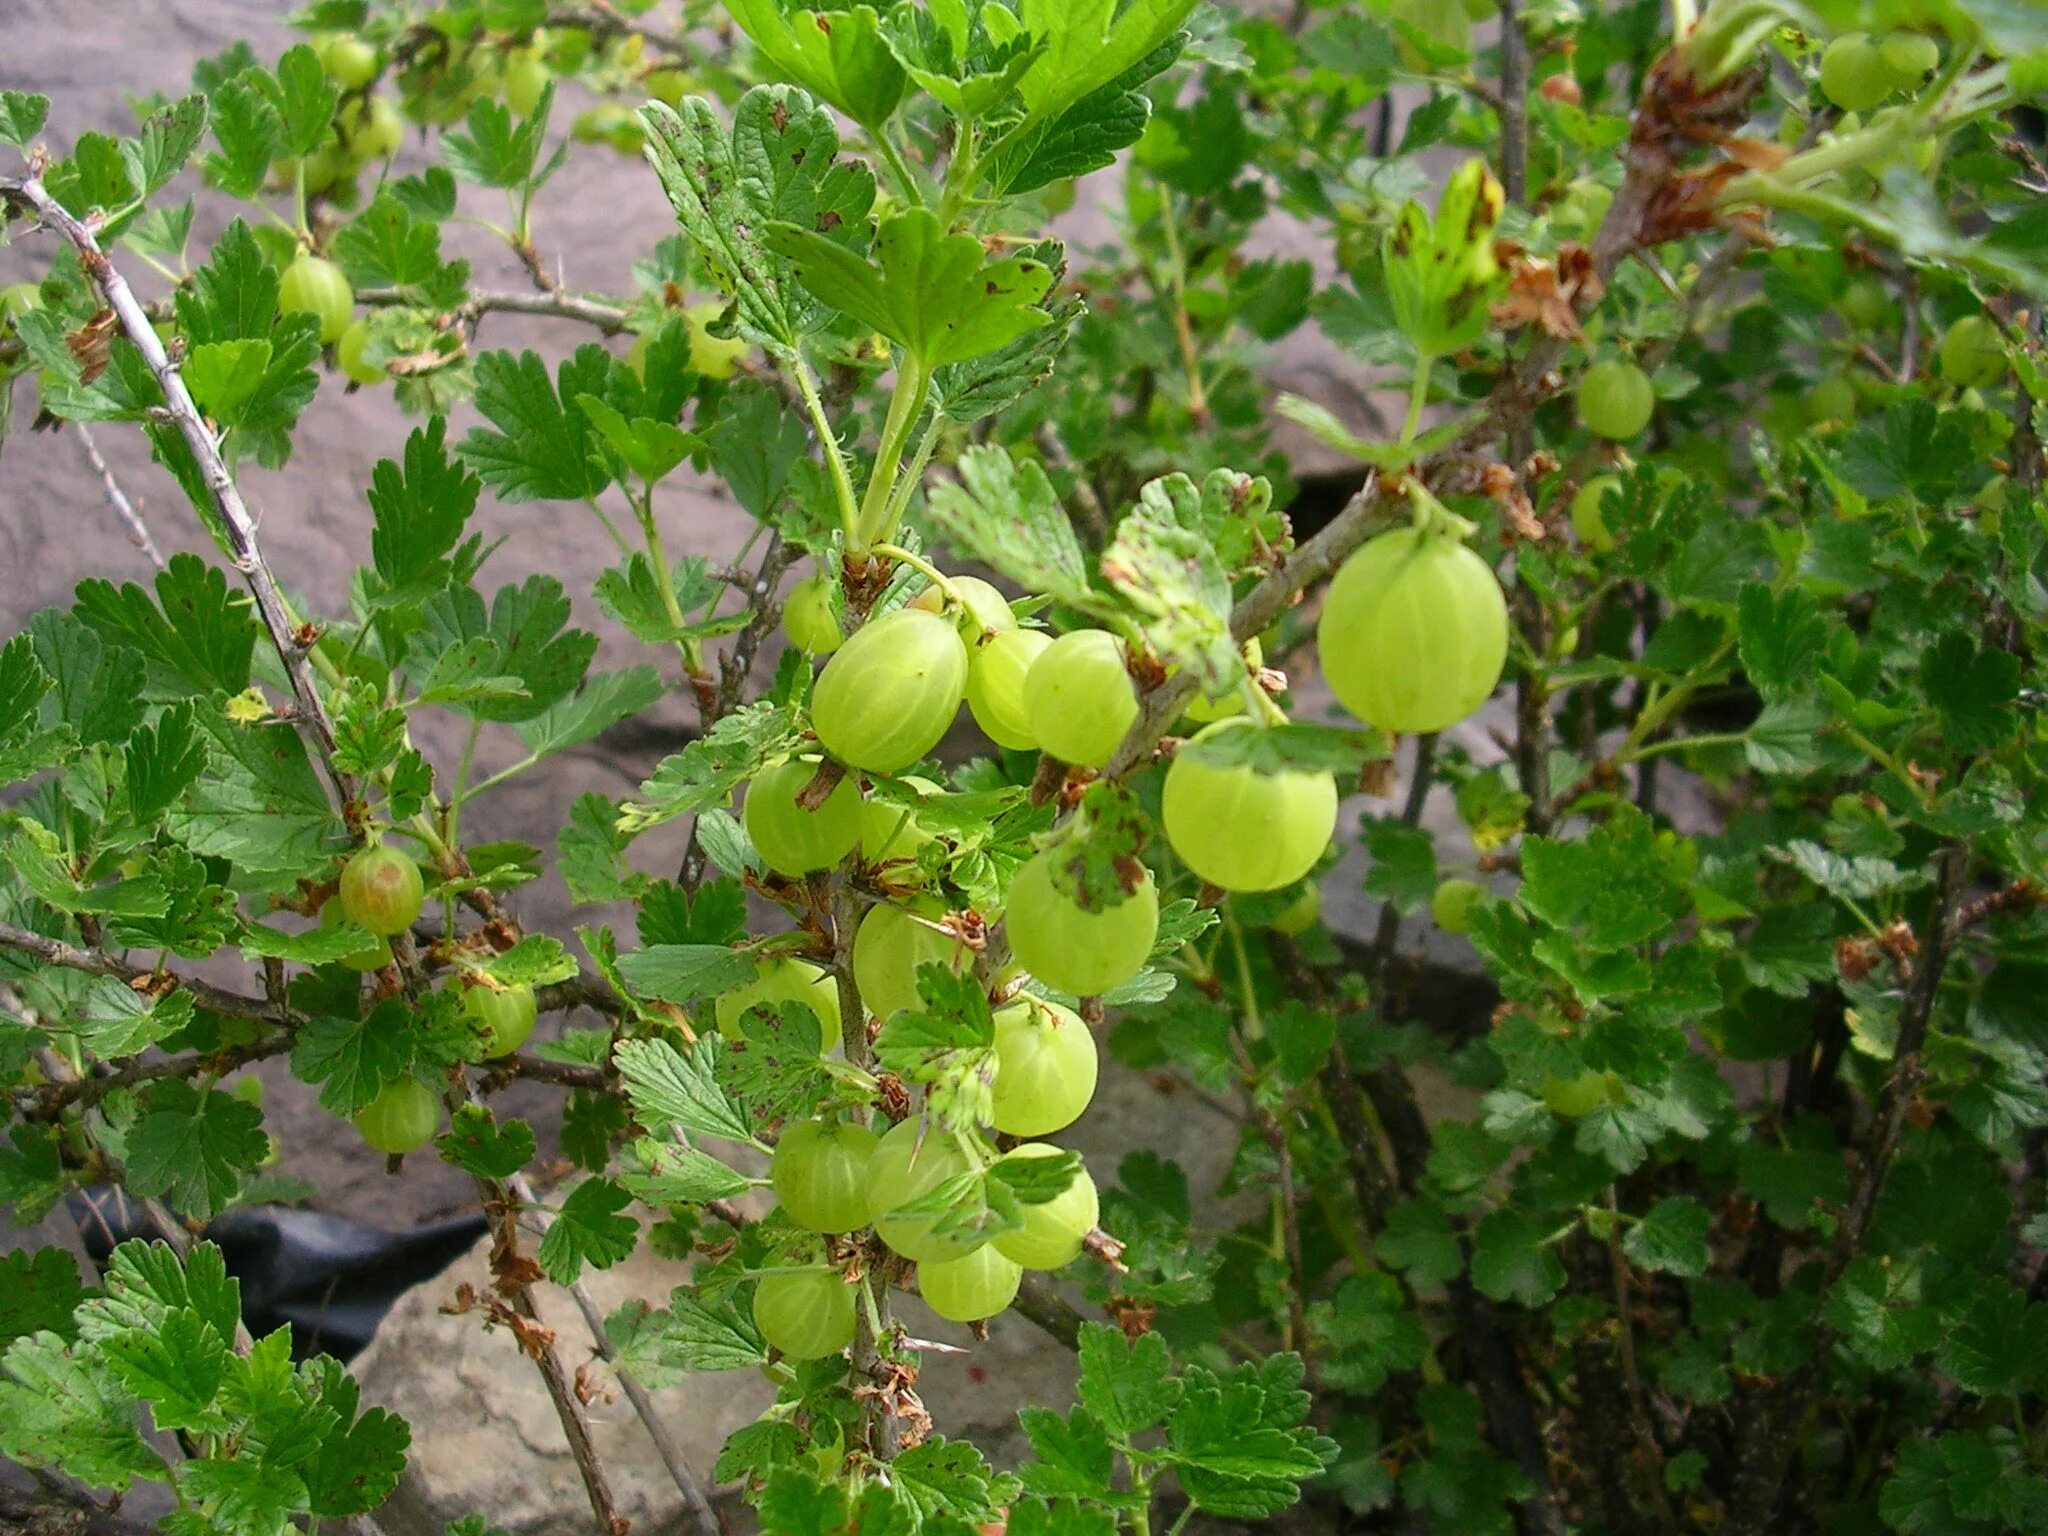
(1514, 102)
(1363, 515)
(1632, 1376)
(1770, 1428)
(1037, 1302)
(236, 520)
(95, 962)
(733, 668)
(131, 520)
(701, 1517)
(537, 1341)
(84, 1092)
(608, 315)
(601, 20)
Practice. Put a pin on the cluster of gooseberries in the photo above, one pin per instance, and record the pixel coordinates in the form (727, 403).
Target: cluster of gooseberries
(381, 891)
(368, 128)
(1859, 72)
(833, 1177)
(1413, 637)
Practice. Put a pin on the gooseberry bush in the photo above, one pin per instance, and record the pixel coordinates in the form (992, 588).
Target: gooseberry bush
(1664, 1150)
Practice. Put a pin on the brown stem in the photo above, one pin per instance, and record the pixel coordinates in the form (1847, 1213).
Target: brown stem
(1275, 1135)
(1770, 1427)
(601, 20)
(1514, 102)
(1037, 1302)
(609, 316)
(698, 1508)
(236, 521)
(733, 668)
(537, 1341)
(96, 962)
(1625, 1348)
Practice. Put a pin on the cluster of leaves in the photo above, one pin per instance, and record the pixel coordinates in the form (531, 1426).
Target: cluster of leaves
(268, 1442)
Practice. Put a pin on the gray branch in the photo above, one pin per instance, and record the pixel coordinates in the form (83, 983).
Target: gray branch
(131, 519)
(240, 526)
(701, 1517)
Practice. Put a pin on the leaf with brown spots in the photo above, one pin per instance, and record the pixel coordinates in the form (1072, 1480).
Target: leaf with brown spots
(778, 164)
(1442, 275)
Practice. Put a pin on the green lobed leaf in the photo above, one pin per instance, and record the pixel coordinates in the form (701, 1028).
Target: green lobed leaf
(355, 1059)
(661, 1173)
(21, 117)
(836, 54)
(692, 1334)
(38, 1290)
(542, 449)
(588, 1231)
(705, 773)
(671, 1090)
(195, 1147)
(1007, 515)
(776, 165)
(932, 293)
(1671, 1236)
(476, 1143)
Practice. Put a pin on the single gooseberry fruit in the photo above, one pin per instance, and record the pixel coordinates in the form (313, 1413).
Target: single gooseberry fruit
(1046, 1066)
(1079, 697)
(890, 947)
(1972, 353)
(1054, 1229)
(401, 1118)
(782, 979)
(907, 1165)
(1414, 632)
(808, 619)
(968, 1289)
(1070, 947)
(1616, 399)
(1452, 904)
(888, 695)
(794, 839)
(381, 890)
(820, 1174)
(1241, 829)
(504, 1015)
(995, 686)
(313, 285)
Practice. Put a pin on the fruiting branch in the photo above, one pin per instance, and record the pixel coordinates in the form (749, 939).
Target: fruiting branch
(236, 520)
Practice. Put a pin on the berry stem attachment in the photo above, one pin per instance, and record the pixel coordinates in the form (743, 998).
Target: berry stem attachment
(1418, 396)
(937, 577)
(906, 404)
(1431, 516)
